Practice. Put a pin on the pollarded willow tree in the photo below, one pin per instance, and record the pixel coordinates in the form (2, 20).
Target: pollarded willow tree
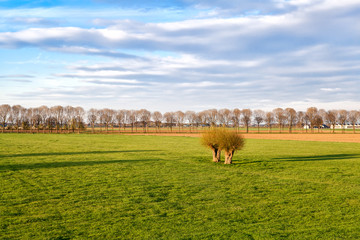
(218, 139)
(342, 117)
(353, 118)
(290, 114)
(190, 116)
(230, 142)
(144, 117)
(210, 117)
(280, 117)
(120, 117)
(157, 116)
(330, 118)
(224, 117)
(211, 139)
(259, 116)
(236, 118)
(246, 118)
(269, 119)
(169, 118)
(311, 114)
(16, 116)
(179, 119)
(92, 118)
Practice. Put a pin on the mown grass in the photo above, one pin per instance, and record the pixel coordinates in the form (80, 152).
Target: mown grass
(155, 187)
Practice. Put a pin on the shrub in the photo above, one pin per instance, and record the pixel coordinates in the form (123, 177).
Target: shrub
(230, 142)
(218, 139)
(210, 139)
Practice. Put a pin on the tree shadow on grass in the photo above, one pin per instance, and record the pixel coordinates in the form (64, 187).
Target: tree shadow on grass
(318, 158)
(328, 157)
(71, 153)
(27, 166)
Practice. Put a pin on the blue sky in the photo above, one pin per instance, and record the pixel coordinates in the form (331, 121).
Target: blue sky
(181, 55)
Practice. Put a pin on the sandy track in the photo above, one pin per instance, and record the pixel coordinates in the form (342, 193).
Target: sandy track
(308, 137)
(298, 136)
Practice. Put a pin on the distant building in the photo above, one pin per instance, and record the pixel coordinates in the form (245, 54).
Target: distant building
(347, 126)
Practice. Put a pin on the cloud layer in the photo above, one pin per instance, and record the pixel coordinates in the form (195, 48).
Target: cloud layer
(261, 54)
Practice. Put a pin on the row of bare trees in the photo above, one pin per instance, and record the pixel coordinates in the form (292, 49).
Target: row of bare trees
(309, 119)
(43, 118)
(71, 119)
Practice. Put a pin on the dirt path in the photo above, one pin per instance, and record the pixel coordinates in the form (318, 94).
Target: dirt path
(327, 137)
(308, 137)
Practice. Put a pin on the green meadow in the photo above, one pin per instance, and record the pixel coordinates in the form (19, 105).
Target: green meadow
(73, 186)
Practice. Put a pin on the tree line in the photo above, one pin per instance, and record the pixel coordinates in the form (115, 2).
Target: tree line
(76, 119)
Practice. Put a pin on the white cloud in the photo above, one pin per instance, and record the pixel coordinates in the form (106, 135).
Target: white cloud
(330, 89)
(199, 84)
(202, 36)
(114, 81)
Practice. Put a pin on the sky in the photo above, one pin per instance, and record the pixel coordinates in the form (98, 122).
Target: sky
(181, 54)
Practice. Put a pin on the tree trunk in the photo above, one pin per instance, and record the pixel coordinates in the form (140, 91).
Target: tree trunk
(228, 156)
(216, 155)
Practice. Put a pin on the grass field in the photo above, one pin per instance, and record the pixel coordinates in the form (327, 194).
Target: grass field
(156, 187)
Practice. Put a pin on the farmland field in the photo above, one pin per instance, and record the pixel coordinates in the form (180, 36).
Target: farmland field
(69, 186)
